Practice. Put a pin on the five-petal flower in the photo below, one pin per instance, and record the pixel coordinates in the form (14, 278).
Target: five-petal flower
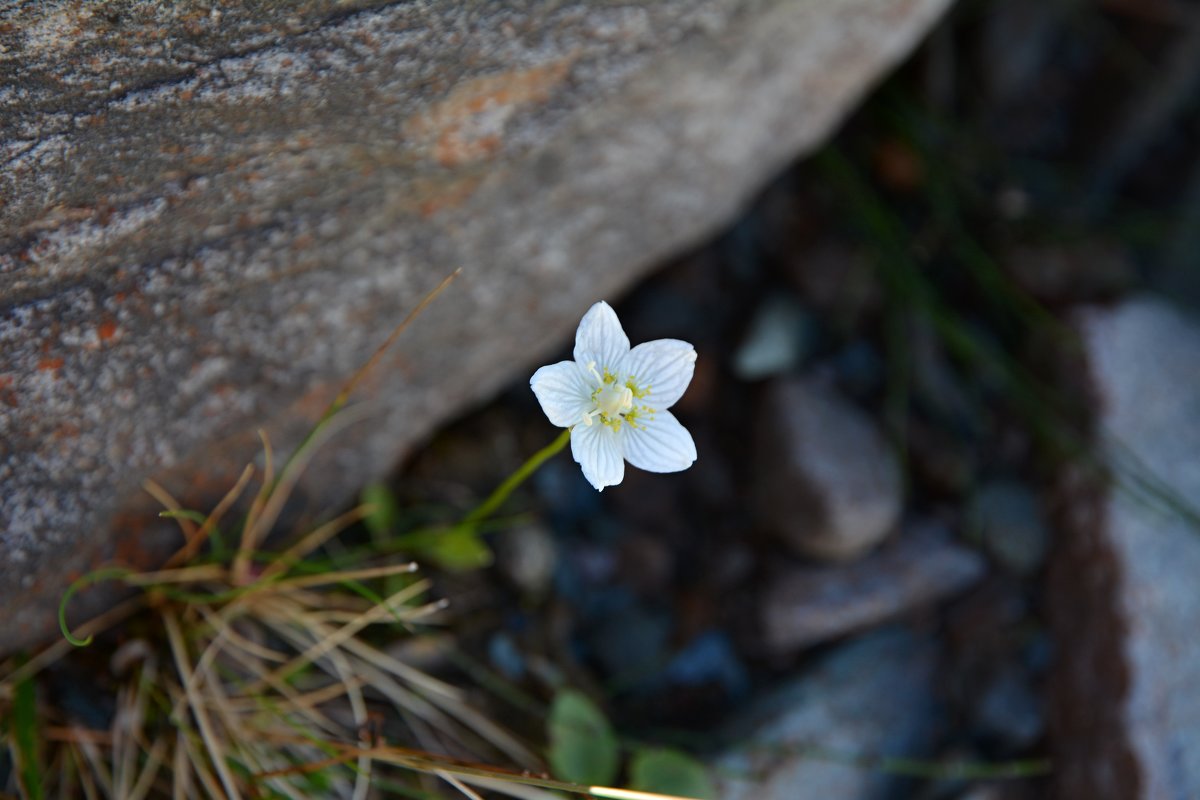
(615, 400)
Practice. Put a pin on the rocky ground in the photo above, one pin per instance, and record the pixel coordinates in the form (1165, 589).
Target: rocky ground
(941, 508)
(941, 540)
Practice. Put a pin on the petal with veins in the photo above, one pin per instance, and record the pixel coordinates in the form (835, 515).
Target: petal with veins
(564, 392)
(597, 449)
(665, 366)
(659, 444)
(600, 338)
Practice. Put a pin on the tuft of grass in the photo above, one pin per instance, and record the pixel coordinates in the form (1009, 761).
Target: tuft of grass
(240, 672)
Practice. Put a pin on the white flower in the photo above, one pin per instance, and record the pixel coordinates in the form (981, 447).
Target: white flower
(615, 400)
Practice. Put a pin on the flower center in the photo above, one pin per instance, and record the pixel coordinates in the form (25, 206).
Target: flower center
(613, 400)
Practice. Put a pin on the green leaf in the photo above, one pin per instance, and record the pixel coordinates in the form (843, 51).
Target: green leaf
(381, 520)
(25, 736)
(184, 513)
(583, 747)
(460, 549)
(671, 772)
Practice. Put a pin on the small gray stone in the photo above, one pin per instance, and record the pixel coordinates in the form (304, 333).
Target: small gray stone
(527, 555)
(869, 698)
(1009, 709)
(826, 480)
(1124, 588)
(777, 340)
(808, 604)
(1006, 518)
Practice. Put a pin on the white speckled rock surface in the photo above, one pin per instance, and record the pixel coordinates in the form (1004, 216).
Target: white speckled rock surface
(1125, 588)
(210, 216)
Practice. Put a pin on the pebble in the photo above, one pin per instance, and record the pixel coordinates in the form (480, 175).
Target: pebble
(1006, 518)
(527, 556)
(868, 697)
(778, 339)
(806, 604)
(1009, 709)
(826, 480)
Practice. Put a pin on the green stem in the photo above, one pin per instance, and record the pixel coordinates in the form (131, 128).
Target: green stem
(96, 576)
(501, 493)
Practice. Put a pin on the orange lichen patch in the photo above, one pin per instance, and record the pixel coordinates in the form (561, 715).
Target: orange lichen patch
(313, 403)
(445, 196)
(140, 544)
(50, 364)
(8, 395)
(67, 430)
(106, 330)
(466, 125)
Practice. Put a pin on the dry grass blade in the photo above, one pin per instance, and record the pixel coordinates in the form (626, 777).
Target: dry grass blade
(242, 672)
(319, 536)
(457, 784)
(346, 576)
(193, 544)
(168, 501)
(181, 783)
(249, 540)
(62, 647)
(211, 742)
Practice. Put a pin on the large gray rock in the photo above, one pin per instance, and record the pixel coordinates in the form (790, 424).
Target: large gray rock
(873, 698)
(210, 215)
(1125, 581)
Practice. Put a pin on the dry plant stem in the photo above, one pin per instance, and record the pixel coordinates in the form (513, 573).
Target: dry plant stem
(294, 554)
(510, 789)
(305, 704)
(200, 671)
(181, 784)
(203, 572)
(92, 755)
(61, 647)
(189, 550)
(344, 394)
(347, 575)
(213, 745)
(329, 643)
(457, 784)
(376, 668)
(131, 705)
(196, 765)
(86, 779)
(261, 521)
(154, 759)
(241, 561)
(437, 765)
(168, 501)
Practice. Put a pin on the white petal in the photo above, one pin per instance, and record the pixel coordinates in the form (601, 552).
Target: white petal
(665, 366)
(600, 338)
(563, 391)
(597, 449)
(660, 444)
